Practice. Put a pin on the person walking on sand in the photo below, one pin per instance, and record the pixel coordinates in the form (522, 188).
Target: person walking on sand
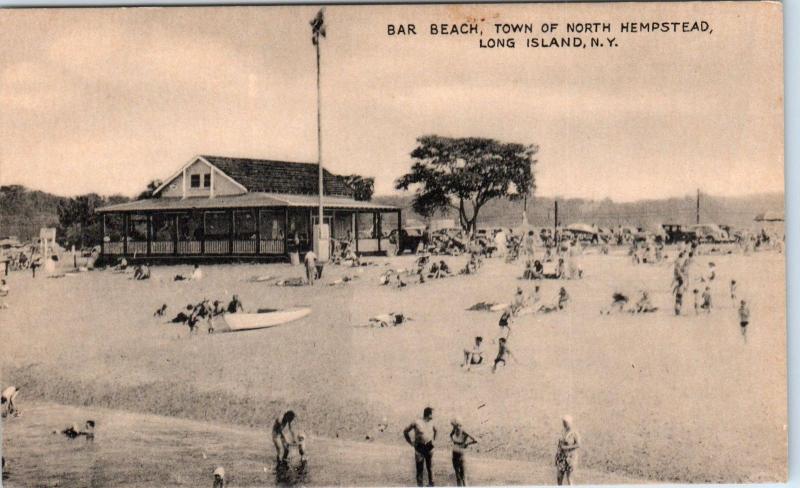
(461, 441)
(424, 435)
(280, 428)
(567, 451)
(503, 353)
(7, 398)
(311, 267)
(744, 318)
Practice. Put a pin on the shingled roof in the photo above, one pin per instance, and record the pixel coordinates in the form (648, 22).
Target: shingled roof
(263, 175)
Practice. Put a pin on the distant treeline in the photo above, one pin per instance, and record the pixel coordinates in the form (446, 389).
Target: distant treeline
(738, 212)
(24, 211)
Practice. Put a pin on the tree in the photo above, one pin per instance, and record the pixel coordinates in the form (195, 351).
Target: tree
(78, 222)
(148, 192)
(463, 174)
(363, 188)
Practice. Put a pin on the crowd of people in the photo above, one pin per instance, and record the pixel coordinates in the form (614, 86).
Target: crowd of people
(563, 256)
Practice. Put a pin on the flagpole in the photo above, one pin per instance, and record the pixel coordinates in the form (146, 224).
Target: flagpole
(319, 140)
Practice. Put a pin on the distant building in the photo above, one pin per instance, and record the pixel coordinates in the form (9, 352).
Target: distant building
(235, 208)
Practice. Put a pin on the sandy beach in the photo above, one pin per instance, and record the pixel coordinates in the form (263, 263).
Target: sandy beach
(655, 397)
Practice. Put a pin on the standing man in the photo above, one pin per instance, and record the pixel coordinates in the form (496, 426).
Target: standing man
(311, 267)
(424, 435)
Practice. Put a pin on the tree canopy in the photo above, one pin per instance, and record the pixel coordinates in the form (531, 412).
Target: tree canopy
(463, 174)
(363, 188)
(148, 192)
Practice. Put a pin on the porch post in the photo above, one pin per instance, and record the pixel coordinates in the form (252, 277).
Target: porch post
(203, 235)
(258, 230)
(149, 234)
(125, 234)
(230, 233)
(355, 215)
(103, 240)
(286, 230)
(379, 222)
(175, 234)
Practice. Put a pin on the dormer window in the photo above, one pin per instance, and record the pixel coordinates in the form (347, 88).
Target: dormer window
(207, 180)
(195, 181)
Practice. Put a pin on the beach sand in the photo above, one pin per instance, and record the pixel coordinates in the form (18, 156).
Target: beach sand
(654, 396)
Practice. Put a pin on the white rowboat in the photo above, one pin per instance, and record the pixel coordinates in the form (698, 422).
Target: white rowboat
(231, 322)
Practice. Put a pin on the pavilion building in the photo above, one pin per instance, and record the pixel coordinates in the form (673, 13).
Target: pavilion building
(222, 208)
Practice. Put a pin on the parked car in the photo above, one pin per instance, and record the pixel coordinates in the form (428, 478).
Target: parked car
(677, 233)
(410, 239)
(709, 233)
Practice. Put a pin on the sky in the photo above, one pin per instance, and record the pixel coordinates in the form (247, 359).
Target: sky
(106, 100)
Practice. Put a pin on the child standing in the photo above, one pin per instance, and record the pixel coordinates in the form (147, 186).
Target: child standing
(706, 306)
(696, 294)
(733, 290)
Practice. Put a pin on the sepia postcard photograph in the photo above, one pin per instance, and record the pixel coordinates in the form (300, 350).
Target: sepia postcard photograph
(393, 245)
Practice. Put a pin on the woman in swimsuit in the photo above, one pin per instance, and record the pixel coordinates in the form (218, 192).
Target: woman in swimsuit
(461, 441)
(567, 451)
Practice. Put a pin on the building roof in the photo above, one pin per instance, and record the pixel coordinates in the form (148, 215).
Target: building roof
(247, 200)
(264, 175)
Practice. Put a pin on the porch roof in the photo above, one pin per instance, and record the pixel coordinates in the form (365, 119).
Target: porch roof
(247, 200)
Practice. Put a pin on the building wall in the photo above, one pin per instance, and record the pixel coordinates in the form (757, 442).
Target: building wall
(222, 185)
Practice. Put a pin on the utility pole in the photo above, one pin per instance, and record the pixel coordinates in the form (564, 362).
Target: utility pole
(697, 208)
(555, 210)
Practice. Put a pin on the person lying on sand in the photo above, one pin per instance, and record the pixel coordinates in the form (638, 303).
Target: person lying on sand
(183, 315)
(474, 355)
(389, 319)
(291, 282)
(7, 400)
(4, 289)
(197, 275)
(73, 432)
(618, 303)
(563, 300)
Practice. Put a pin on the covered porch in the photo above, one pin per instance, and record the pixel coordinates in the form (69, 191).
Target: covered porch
(269, 231)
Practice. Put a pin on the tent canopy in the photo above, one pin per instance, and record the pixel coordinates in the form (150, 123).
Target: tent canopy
(769, 217)
(582, 228)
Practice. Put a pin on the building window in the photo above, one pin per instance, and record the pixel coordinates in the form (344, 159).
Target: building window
(207, 180)
(195, 181)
